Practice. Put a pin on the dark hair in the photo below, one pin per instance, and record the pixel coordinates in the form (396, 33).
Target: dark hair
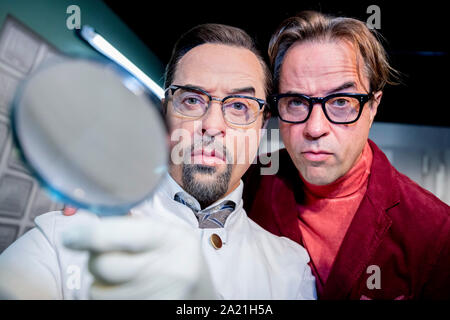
(315, 26)
(214, 33)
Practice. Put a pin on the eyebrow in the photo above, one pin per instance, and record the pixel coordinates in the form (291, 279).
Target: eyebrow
(346, 85)
(192, 86)
(246, 90)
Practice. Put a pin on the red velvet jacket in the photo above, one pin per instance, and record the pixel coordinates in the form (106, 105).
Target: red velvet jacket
(399, 227)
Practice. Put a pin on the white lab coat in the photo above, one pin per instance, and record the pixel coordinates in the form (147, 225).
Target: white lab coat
(251, 264)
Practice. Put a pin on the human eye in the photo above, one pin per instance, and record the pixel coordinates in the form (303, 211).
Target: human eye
(238, 106)
(296, 102)
(240, 110)
(192, 101)
(341, 102)
(343, 108)
(293, 104)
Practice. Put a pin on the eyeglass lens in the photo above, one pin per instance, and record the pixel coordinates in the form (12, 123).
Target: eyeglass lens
(237, 110)
(338, 109)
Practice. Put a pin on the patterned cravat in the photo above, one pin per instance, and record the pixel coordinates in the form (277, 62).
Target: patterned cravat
(213, 217)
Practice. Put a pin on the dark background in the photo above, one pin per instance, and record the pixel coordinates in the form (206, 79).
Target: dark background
(415, 32)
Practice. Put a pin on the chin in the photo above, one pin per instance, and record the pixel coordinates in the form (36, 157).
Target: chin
(210, 169)
(319, 176)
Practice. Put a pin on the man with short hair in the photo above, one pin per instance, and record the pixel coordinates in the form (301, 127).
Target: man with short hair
(193, 229)
(370, 231)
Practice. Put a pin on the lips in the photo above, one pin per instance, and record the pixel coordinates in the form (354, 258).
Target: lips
(208, 156)
(316, 155)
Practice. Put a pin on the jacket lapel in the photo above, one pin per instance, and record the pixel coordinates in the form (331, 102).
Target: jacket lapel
(360, 243)
(366, 230)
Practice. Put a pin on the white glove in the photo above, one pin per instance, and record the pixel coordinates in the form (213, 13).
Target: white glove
(140, 258)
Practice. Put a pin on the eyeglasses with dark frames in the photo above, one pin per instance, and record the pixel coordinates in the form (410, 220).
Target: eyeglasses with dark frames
(339, 108)
(193, 103)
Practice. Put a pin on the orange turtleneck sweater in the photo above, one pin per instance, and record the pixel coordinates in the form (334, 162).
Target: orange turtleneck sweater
(328, 211)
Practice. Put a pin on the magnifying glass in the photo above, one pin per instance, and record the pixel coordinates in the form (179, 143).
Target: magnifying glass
(91, 134)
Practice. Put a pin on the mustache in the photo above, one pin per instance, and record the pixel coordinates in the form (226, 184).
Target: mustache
(210, 143)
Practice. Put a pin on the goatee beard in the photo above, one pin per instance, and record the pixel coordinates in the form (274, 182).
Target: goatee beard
(205, 193)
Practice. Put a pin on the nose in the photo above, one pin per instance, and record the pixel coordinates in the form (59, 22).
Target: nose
(213, 123)
(317, 125)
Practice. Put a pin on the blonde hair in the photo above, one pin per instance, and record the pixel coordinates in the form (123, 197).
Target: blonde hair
(315, 26)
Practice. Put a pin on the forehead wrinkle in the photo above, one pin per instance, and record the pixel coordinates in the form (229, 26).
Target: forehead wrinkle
(213, 86)
(203, 66)
(314, 67)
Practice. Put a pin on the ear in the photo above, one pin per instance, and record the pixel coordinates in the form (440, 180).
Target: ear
(164, 106)
(376, 99)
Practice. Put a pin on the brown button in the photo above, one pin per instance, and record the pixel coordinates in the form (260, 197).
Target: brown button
(216, 241)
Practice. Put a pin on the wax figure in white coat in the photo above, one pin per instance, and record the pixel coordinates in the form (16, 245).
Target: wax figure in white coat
(167, 248)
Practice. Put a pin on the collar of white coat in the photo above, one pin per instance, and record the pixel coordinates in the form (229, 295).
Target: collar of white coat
(171, 187)
(168, 187)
